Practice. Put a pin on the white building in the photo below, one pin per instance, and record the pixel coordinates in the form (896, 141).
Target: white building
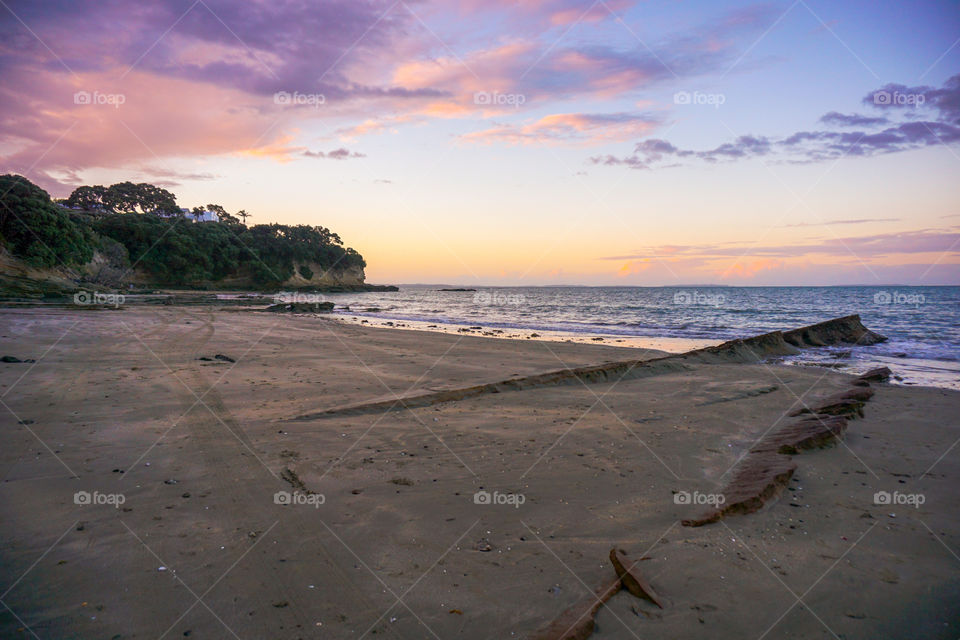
(208, 216)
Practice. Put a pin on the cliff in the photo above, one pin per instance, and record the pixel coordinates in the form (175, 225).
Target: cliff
(20, 279)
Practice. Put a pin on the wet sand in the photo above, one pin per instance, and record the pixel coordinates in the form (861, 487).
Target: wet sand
(387, 539)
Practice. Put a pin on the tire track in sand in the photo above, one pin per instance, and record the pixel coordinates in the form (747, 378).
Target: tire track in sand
(229, 469)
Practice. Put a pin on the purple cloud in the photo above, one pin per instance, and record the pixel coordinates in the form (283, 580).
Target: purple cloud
(872, 246)
(814, 146)
(851, 120)
(336, 154)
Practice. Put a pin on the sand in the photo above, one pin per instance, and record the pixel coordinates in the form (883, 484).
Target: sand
(387, 539)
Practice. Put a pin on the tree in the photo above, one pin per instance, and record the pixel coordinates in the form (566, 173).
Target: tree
(222, 214)
(127, 197)
(197, 213)
(243, 214)
(87, 198)
(37, 230)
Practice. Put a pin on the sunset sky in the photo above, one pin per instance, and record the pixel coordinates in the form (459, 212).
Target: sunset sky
(502, 143)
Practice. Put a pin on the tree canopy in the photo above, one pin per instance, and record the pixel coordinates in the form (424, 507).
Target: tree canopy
(124, 197)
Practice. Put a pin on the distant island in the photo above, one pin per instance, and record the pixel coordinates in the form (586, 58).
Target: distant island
(136, 236)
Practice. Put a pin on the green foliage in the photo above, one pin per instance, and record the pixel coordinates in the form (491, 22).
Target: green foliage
(305, 272)
(87, 198)
(37, 230)
(124, 197)
(174, 250)
(280, 246)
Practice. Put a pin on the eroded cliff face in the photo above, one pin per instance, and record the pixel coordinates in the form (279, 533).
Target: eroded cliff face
(19, 278)
(320, 277)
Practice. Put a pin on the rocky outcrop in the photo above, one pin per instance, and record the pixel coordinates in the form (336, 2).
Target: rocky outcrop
(322, 278)
(847, 403)
(108, 269)
(813, 432)
(767, 468)
(20, 279)
(845, 330)
(747, 350)
(880, 374)
(301, 307)
(755, 349)
(757, 479)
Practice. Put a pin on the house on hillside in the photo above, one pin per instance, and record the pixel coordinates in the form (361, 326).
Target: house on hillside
(208, 216)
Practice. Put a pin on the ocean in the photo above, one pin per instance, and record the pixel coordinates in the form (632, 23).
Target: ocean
(922, 323)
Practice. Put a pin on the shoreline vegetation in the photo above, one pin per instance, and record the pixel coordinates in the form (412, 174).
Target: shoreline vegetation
(134, 237)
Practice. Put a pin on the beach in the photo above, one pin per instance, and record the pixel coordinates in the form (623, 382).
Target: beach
(210, 472)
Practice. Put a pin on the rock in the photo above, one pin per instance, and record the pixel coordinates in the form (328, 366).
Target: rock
(757, 479)
(766, 469)
(848, 403)
(456, 289)
(10, 359)
(812, 432)
(846, 330)
(631, 578)
(577, 622)
(301, 307)
(224, 358)
(880, 374)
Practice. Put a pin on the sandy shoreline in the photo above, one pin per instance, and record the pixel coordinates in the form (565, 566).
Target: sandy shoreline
(399, 547)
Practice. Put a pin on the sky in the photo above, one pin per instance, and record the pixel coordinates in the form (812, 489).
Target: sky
(495, 142)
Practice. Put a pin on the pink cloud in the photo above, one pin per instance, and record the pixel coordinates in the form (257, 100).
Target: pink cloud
(550, 13)
(205, 85)
(575, 128)
(749, 268)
